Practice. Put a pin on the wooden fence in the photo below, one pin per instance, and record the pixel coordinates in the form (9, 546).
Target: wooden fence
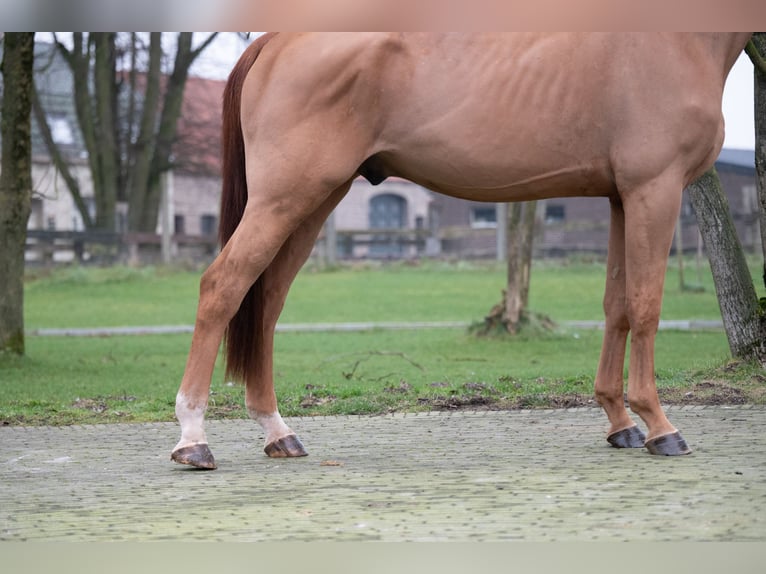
(45, 247)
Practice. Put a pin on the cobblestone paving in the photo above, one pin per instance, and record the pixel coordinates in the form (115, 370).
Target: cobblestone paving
(526, 475)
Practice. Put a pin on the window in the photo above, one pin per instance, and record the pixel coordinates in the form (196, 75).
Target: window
(179, 224)
(484, 217)
(554, 213)
(387, 211)
(208, 224)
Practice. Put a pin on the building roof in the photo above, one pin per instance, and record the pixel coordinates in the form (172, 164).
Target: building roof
(197, 149)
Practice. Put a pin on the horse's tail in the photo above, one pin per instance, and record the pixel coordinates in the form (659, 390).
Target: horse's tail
(246, 327)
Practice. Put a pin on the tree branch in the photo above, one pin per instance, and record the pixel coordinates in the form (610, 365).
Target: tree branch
(65, 53)
(755, 57)
(58, 160)
(196, 52)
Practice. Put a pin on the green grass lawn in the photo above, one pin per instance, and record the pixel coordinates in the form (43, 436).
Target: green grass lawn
(135, 378)
(431, 291)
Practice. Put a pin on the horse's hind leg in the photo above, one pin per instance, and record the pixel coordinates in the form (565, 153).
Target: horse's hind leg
(260, 396)
(623, 432)
(264, 228)
(222, 288)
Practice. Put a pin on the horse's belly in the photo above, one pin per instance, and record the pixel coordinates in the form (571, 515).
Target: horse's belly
(505, 178)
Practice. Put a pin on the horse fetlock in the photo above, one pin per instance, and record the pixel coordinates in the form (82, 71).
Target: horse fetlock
(606, 397)
(612, 400)
(272, 424)
(191, 417)
(281, 441)
(650, 411)
(642, 404)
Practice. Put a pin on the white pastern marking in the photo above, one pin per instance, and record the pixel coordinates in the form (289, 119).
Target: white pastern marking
(272, 424)
(192, 420)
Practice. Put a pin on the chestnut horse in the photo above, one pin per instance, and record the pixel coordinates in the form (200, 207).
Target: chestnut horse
(487, 117)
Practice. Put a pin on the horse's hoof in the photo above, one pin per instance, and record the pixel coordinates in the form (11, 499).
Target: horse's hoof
(287, 446)
(672, 444)
(196, 455)
(631, 437)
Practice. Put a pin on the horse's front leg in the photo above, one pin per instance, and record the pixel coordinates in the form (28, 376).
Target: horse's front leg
(650, 215)
(260, 397)
(609, 387)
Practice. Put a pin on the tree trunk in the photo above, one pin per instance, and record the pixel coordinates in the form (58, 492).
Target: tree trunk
(144, 148)
(15, 184)
(105, 92)
(144, 208)
(759, 86)
(97, 116)
(511, 314)
(740, 310)
(78, 59)
(522, 236)
(680, 252)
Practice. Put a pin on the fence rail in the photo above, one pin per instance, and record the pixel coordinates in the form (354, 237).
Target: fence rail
(98, 247)
(46, 247)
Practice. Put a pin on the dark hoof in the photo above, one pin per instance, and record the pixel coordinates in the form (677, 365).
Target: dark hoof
(287, 446)
(631, 437)
(672, 444)
(197, 455)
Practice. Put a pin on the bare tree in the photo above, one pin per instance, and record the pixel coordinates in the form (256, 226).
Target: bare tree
(742, 316)
(127, 119)
(143, 208)
(15, 184)
(511, 314)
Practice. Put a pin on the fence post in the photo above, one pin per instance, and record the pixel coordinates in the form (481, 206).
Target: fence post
(166, 216)
(331, 241)
(501, 235)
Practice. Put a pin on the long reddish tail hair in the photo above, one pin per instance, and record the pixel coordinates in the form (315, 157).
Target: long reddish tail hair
(245, 330)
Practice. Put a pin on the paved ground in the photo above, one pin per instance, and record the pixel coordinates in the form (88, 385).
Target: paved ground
(531, 475)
